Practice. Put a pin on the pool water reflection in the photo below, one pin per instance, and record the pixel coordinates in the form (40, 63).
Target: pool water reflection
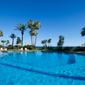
(41, 59)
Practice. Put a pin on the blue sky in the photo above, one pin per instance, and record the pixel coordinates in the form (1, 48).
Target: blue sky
(57, 17)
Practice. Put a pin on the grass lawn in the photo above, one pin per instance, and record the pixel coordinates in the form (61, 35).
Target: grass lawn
(79, 51)
(13, 50)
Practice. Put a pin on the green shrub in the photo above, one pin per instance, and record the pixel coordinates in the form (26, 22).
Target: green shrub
(79, 48)
(20, 47)
(66, 49)
(14, 47)
(1, 46)
(58, 48)
(44, 47)
(28, 47)
(10, 47)
(50, 48)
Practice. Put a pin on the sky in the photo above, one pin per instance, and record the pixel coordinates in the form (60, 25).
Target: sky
(57, 17)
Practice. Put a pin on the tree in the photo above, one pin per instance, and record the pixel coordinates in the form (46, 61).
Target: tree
(83, 31)
(43, 42)
(30, 26)
(18, 40)
(21, 27)
(61, 41)
(33, 33)
(1, 33)
(7, 42)
(49, 41)
(12, 36)
(36, 27)
(3, 41)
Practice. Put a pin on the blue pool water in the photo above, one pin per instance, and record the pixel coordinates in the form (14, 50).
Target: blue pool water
(42, 68)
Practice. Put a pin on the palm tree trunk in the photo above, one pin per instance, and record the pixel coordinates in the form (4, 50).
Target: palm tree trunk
(31, 40)
(31, 36)
(48, 44)
(3, 45)
(35, 40)
(22, 37)
(22, 40)
(12, 42)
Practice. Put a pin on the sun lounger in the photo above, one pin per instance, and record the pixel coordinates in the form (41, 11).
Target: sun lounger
(21, 49)
(5, 49)
(1, 49)
(26, 49)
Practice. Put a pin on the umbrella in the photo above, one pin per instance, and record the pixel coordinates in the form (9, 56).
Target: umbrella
(28, 44)
(1, 44)
(83, 44)
(19, 44)
(9, 44)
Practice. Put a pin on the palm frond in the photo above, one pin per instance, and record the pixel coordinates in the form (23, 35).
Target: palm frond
(12, 36)
(1, 33)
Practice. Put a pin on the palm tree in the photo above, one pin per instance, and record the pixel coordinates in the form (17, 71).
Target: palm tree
(83, 31)
(49, 41)
(3, 41)
(7, 42)
(22, 27)
(12, 36)
(43, 42)
(61, 41)
(36, 27)
(18, 40)
(33, 33)
(1, 33)
(31, 25)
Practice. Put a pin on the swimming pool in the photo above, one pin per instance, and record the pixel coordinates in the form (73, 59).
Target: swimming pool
(42, 68)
